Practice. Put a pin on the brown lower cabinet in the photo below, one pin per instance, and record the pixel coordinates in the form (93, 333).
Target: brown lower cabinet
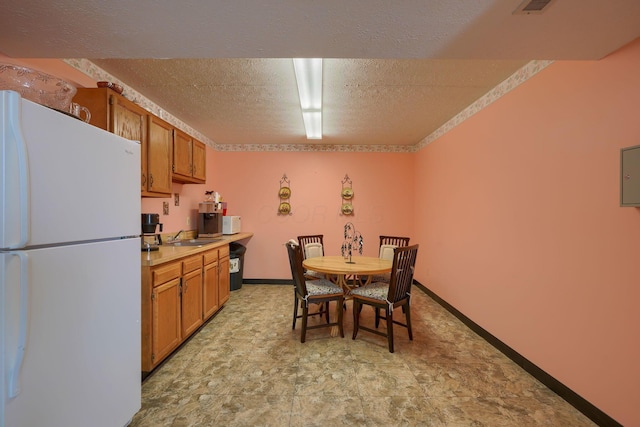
(178, 297)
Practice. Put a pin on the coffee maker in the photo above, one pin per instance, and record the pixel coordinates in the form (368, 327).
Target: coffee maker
(151, 239)
(209, 220)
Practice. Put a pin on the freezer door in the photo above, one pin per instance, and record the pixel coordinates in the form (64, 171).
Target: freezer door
(81, 360)
(63, 180)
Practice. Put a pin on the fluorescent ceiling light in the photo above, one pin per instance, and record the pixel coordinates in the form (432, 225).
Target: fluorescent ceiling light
(312, 124)
(309, 77)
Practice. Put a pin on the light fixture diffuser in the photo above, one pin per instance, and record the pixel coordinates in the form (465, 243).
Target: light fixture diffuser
(309, 78)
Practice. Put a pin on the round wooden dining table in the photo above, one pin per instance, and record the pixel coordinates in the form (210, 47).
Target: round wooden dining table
(338, 268)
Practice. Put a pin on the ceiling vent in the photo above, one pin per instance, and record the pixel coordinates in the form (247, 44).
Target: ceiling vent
(529, 7)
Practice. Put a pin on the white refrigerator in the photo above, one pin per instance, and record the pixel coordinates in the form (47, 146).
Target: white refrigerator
(69, 270)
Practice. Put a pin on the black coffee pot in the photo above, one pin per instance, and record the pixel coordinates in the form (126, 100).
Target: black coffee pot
(150, 222)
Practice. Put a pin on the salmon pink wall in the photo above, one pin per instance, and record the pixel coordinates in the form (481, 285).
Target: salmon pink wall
(249, 182)
(521, 230)
(180, 217)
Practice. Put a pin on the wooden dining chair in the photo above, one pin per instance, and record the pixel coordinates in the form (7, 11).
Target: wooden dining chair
(385, 251)
(387, 296)
(396, 241)
(312, 246)
(320, 291)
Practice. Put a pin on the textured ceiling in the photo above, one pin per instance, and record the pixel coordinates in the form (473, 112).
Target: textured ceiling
(255, 101)
(394, 71)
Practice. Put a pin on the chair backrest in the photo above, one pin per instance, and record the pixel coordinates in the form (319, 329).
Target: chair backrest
(312, 245)
(389, 243)
(398, 242)
(404, 262)
(386, 251)
(297, 271)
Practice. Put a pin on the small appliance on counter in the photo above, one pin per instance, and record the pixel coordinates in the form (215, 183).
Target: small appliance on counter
(230, 224)
(209, 220)
(150, 222)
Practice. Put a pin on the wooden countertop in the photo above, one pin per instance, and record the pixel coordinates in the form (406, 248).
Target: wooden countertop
(168, 253)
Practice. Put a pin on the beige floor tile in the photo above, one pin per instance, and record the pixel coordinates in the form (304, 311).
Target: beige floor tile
(326, 411)
(400, 411)
(247, 367)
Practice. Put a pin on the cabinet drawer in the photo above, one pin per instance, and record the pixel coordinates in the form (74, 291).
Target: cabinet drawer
(191, 263)
(210, 256)
(223, 251)
(165, 273)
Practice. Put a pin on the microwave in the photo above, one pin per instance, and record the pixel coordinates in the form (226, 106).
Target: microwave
(230, 224)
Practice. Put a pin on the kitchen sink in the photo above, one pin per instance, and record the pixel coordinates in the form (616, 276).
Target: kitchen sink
(193, 242)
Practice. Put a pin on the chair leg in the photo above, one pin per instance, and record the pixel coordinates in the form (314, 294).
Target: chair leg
(356, 317)
(377, 310)
(326, 307)
(408, 316)
(295, 310)
(390, 330)
(305, 314)
(340, 314)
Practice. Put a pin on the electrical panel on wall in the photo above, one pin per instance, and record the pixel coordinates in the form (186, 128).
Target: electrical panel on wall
(630, 176)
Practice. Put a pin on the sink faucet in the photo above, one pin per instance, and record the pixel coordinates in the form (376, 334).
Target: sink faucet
(174, 238)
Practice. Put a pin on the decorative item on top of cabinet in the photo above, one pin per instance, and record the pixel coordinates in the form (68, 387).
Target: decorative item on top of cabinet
(114, 113)
(284, 194)
(346, 194)
(630, 176)
(189, 159)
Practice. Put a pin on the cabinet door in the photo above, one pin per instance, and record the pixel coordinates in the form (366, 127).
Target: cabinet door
(191, 302)
(159, 148)
(182, 155)
(210, 289)
(130, 121)
(116, 114)
(166, 319)
(224, 280)
(199, 161)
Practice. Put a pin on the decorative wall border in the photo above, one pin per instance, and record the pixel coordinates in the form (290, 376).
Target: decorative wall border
(516, 79)
(97, 73)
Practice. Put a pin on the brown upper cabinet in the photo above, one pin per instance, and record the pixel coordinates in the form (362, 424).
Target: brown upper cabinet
(160, 141)
(158, 158)
(189, 159)
(115, 113)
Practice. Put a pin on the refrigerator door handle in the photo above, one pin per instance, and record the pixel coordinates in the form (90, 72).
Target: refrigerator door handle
(13, 106)
(13, 377)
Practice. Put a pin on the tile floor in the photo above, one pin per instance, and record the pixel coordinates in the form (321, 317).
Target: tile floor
(247, 367)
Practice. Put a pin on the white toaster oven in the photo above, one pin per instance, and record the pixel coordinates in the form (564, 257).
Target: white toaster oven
(230, 224)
